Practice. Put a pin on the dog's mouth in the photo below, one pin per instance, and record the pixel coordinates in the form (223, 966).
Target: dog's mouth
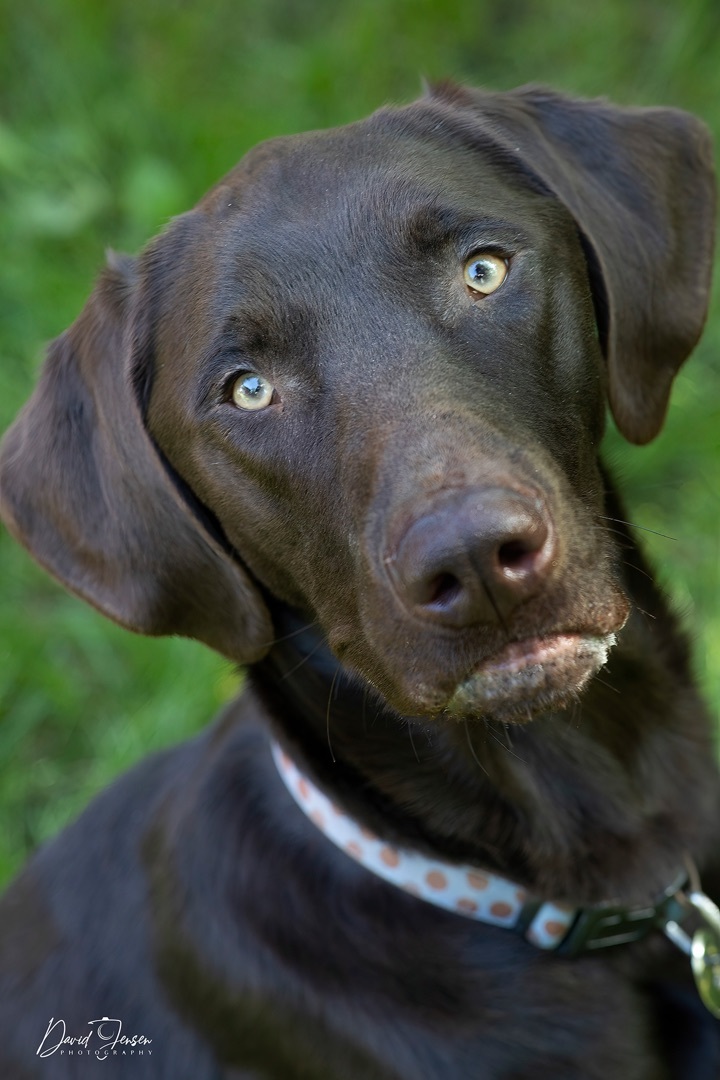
(529, 677)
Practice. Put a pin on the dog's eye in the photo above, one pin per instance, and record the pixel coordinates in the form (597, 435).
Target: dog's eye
(251, 391)
(485, 272)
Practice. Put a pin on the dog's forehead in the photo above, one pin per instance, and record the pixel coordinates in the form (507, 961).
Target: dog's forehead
(350, 211)
(386, 165)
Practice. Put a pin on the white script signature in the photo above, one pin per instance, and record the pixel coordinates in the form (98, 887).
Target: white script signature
(104, 1039)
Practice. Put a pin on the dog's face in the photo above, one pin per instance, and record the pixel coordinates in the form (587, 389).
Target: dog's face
(399, 396)
(368, 373)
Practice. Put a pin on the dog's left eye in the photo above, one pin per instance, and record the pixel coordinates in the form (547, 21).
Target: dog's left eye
(485, 272)
(251, 391)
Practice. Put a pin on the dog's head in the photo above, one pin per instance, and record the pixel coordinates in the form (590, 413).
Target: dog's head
(367, 375)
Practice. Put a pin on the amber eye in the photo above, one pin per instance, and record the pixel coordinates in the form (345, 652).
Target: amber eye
(485, 272)
(251, 391)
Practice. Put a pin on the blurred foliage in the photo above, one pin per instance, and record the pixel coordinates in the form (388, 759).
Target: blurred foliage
(113, 117)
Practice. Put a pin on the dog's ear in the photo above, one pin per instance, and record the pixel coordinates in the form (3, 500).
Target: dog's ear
(83, 487)
(640, 185)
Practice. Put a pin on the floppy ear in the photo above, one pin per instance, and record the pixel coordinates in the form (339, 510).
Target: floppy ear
(640, 185)
(82, 486)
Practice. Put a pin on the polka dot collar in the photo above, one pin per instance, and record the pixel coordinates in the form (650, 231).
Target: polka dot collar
(466, 890)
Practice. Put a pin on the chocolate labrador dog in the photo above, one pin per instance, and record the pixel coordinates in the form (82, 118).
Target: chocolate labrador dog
(341, 423)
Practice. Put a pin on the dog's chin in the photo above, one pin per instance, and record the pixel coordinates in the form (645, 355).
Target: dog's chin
(531, 677)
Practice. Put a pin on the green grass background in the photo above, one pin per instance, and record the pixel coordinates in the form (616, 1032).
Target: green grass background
(116, 115)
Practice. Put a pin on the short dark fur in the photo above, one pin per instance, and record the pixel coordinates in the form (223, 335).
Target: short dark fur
(193, 900)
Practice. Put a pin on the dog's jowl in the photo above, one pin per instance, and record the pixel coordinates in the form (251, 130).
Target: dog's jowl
(341, 423)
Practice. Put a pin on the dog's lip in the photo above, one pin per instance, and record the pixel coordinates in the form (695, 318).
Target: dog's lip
(528, 677)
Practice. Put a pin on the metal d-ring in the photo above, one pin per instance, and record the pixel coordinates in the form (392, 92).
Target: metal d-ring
(703, 947)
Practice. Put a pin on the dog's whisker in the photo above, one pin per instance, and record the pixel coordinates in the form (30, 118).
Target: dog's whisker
(303, 660)
(572, 714)
(608, 685)
(412, 741)
(366, 693)
(506, 746)
(643, 528)
(472, 748)
(631, 566)
(615, 532)
(337, 673)
(292, 634)
(637, 569)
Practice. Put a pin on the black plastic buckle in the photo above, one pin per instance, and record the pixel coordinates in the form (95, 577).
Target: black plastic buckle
(604, 927)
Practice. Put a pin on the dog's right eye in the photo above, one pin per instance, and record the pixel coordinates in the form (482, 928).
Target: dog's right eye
(485, 272)
(251, 391)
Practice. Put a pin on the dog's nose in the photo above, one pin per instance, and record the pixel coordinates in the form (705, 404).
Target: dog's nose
(474, 557)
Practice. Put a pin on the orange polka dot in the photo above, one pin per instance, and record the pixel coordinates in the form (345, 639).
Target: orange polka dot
(367, 833)
(317, 819)
(354, 849)
(476, 880)
(389, 856)
(436, 879)
(303, 789)
(501, 910)
(520, 896)
(464, 904)
(554, 928)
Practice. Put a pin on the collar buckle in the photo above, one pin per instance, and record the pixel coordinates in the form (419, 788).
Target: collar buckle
(609, 925)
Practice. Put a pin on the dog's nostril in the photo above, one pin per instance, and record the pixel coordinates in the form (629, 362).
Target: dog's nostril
(443, 590)
(518, 555)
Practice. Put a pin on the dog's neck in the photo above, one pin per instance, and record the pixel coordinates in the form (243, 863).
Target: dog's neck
(583, 803)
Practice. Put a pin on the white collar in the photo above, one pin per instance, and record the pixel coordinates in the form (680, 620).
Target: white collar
(466, 890)
(489, 898)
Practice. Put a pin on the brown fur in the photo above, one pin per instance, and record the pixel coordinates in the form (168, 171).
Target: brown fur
(422, 499)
